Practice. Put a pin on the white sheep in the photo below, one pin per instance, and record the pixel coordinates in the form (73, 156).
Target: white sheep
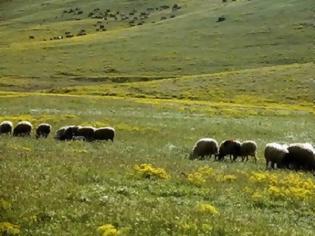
(204, 147)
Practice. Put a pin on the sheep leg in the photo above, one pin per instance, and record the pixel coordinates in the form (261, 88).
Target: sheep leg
(255, 158)
(272, 165)
(267, 165)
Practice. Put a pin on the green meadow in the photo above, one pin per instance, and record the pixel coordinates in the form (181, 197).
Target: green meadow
(163, 82)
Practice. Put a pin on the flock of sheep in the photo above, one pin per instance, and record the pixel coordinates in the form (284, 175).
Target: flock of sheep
(207, 147)
(71, 132)
(297, 156)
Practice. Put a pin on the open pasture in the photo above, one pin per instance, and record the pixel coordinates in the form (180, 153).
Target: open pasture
(72, 188)
(163, 74)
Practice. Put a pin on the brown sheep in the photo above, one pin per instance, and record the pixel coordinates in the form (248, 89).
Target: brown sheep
(43, 130)
(66, 132)
(301, 157)
(86, 131)
(229, 147)
(248, 148)
(275, 154)
(60, 133)
(104, 133)
(204, 147)
(6, 127)
(22, 129)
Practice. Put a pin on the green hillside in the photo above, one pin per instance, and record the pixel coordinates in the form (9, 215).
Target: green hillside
(163, 74)
(254, 34)
(290, 84)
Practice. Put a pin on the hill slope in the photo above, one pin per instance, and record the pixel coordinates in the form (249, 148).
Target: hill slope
(277, 84)
(166, 42)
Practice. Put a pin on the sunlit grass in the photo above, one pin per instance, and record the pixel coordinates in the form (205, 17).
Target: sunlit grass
(162, 86)
(144, 183)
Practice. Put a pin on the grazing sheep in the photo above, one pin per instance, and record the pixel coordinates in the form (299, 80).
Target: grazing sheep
(229, 147)
(176, 7)
(71, 131)
(105, 133)
(204, 147)
(275, 154)
(221, 18)
(248, 148)
(60, 133)
(87, 132)
(301, 157)
(66, 132)
(43, 130)
(22, 129)
(6, 127)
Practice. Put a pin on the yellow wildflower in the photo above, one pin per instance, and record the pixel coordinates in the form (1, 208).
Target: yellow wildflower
(150, 171)
(261, 177)
(283, 186)
(200, 176)
(276, 192)
(298, 193)
(107, 230)
(196, 179)
(205, 171)
(206, 209)
(7, 228)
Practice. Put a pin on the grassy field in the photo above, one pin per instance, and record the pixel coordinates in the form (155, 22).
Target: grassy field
(57, 188)
(164, 81)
